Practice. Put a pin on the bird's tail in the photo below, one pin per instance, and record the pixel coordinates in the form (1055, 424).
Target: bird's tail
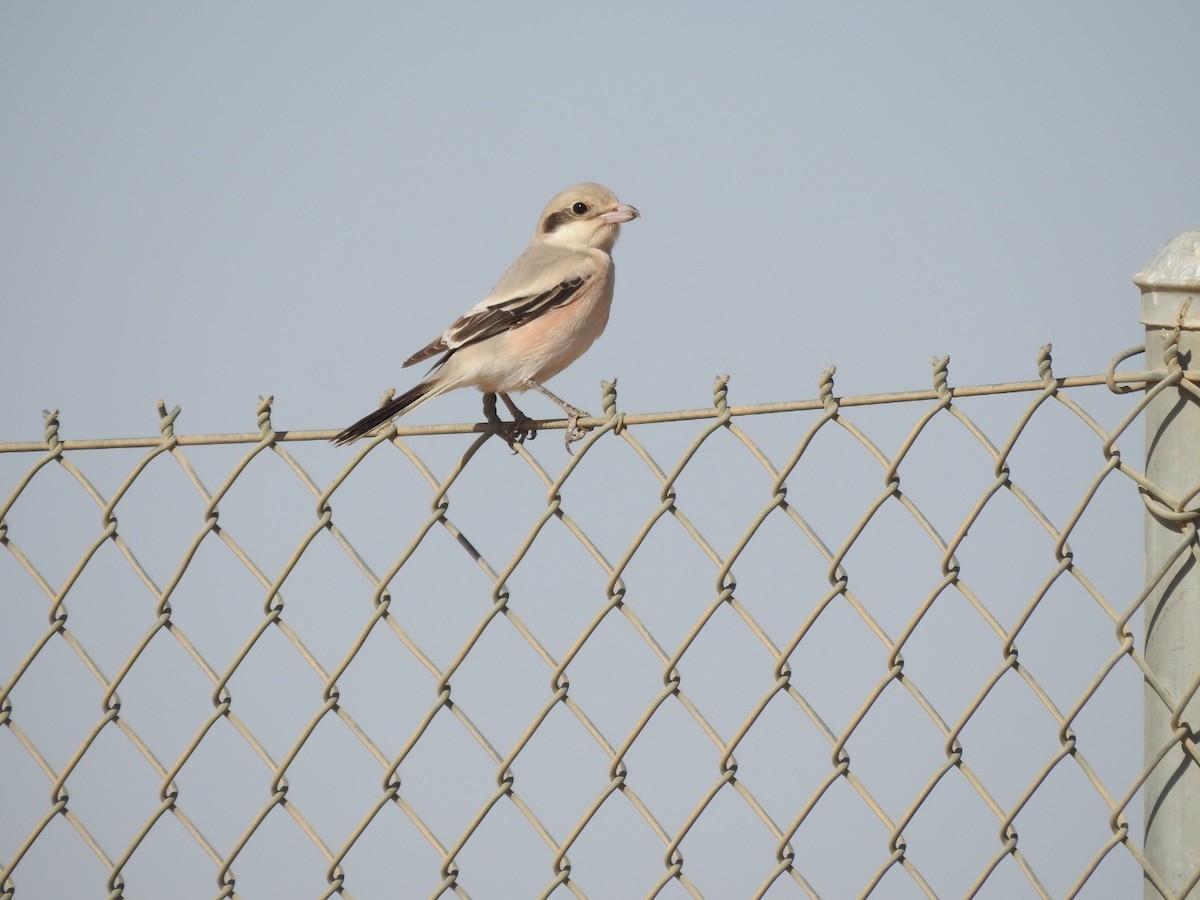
(388, 411)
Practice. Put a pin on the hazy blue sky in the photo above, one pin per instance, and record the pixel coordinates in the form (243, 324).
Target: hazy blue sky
(211, 202)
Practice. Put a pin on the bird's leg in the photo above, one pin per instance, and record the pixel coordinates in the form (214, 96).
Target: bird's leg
(574, 432)
(489, 409)
(520, 429)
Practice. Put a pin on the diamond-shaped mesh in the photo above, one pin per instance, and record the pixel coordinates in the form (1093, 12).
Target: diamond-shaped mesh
(755, 651)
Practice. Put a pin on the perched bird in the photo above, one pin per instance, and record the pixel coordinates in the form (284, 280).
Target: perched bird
(543, 313)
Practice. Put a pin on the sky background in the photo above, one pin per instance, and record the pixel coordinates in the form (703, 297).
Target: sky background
(210, 203)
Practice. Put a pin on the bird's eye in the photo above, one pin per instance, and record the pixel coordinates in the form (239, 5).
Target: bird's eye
(579, 208)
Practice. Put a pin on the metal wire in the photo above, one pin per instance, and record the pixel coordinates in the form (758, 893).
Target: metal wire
(894, 854)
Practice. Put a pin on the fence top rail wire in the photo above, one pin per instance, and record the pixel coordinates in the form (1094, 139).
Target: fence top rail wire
(1117, 381)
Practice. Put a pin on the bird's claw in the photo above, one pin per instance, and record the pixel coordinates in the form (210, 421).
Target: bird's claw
(574, 431)
(517, 431)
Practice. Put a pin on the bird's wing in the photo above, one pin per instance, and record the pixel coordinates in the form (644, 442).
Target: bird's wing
(542, 279)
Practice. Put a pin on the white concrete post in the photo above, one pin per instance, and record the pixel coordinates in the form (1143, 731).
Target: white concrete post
(1170, 285)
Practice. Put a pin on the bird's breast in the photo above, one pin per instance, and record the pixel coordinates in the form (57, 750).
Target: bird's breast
(544, 346)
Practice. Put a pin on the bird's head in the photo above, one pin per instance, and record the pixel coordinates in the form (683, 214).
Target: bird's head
(586, 215)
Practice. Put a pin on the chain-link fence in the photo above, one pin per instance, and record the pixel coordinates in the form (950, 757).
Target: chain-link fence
(723, 652)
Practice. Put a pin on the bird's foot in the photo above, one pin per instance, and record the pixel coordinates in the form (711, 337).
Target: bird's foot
(518, 431)
(574, 431)
(574, 414)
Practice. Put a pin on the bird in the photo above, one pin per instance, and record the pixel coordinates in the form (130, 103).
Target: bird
(546, 310)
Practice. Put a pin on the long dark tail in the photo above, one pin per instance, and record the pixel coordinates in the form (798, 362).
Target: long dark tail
(385, 413)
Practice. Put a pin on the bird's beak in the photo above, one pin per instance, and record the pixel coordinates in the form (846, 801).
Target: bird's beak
(622, 213)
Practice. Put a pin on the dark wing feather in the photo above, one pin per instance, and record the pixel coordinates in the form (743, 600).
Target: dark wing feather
(498, 318)
(431, 349)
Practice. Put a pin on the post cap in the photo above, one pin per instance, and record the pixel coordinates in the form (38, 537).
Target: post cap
(1170, 283)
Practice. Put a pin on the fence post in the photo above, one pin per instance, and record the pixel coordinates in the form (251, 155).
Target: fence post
(1170, 285)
